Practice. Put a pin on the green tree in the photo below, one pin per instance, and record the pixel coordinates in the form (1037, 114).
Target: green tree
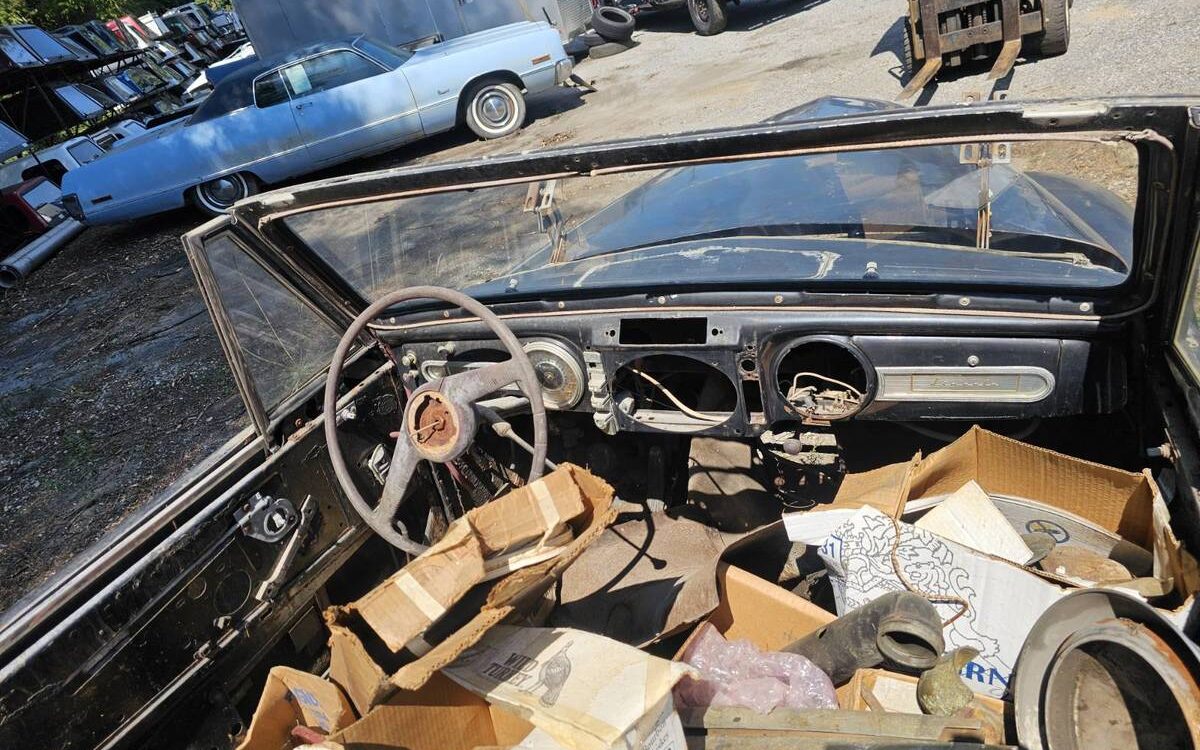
(12, 11)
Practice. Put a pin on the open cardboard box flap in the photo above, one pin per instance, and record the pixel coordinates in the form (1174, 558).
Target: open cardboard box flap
(439, 716)
(421, 592)
(368, 682)
(1126, 503)
(758, 611)
(293, 698)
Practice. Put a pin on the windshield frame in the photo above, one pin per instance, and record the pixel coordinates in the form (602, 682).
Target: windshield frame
(1157, 127)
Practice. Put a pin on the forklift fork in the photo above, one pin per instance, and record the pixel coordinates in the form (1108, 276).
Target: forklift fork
(1010, 23)
(931, 40)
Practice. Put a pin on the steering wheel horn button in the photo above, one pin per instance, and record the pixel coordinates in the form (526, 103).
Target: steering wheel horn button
(437, 429)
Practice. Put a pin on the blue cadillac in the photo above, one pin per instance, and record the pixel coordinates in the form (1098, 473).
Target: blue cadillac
(315, 107)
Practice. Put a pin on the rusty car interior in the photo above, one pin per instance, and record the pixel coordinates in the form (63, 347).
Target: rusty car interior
(443, 394)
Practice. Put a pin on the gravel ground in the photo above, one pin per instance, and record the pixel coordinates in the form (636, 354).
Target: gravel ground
(112, 382)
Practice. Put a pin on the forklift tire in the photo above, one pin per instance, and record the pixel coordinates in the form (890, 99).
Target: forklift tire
(908, 57)
(708, 16)
(1056, 29)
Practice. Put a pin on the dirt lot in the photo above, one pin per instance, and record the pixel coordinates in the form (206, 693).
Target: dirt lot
(113, 383)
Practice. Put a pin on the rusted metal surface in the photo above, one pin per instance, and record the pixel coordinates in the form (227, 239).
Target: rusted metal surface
(433, 425)
(1103, 668)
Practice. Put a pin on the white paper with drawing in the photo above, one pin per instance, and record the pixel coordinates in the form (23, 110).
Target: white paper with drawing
(585, 691)
(1004, 600)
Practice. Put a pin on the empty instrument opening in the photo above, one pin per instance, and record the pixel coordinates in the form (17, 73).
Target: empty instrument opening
(664, 331)
(822, 380)
(674, 393)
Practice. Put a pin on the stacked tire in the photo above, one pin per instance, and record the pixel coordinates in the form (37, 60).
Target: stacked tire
(611, 34)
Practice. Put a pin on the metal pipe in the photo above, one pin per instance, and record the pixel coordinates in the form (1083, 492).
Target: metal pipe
(20, 264)
(900, 628)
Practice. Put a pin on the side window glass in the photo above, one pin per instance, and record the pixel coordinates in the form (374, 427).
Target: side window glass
(330, 71)
(283, 341)
(269, 91)
(1187, 330)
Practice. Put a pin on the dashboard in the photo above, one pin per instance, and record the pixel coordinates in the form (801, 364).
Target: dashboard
(737, 373)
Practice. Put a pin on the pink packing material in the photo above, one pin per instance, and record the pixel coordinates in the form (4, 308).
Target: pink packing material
(736, 673)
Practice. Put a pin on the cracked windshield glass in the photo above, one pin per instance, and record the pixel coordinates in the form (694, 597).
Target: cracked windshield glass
(1032, 213)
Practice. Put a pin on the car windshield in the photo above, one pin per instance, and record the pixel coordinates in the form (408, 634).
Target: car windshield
(15, 51)
(85, 151)
(85, 100)
(43, 44)
(1049, 214)
(393, 57)
(41, 194)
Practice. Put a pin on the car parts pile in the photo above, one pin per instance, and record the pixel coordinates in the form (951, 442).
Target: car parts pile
(560, 616)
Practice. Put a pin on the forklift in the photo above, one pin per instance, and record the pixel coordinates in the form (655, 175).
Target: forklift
(952, 32)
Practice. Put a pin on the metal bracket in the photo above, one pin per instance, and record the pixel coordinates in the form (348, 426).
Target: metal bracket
(266, 590)
(266, 518)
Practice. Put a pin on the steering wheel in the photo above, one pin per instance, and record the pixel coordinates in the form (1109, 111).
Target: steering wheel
(438, 422)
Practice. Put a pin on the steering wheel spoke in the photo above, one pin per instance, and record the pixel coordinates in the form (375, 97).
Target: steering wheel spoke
(471, 386)
(400, 471)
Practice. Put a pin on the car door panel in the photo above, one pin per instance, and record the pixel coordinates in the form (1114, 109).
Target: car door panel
(342, 114)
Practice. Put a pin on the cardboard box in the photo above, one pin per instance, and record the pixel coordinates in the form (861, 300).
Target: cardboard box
(293, 698)
(758, 611)
(1126, 503)
(369, 670)
(440, 716)
(419, 594)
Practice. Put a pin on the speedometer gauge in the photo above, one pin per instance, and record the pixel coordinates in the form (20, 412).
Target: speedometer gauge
(558, 372)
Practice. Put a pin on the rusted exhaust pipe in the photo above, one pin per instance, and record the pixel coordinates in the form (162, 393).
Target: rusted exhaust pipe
(23, 262)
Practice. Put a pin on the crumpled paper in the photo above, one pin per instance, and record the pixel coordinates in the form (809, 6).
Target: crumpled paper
(737, 673)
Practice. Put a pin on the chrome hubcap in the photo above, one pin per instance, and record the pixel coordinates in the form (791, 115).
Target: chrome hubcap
(224, 190)
(495, 109)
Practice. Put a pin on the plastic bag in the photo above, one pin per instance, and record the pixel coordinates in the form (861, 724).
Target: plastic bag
(737, 673)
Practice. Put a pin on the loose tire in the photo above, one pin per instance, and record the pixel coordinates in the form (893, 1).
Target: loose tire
(614, 24)
(1056, 29)
(708, 16)
(608, 49)
(494, 109)
(217, 196)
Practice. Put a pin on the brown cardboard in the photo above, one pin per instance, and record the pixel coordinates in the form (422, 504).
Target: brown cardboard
(440, 716)
(885, 488)
(643, 579)
(293, 698)
(365, 667)
(405, 605)
(758, 611)
(1126, 503)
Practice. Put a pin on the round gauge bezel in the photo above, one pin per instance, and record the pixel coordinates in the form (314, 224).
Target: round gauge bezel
(574, 368)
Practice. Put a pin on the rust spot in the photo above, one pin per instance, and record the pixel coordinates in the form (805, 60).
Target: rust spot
(432, 425)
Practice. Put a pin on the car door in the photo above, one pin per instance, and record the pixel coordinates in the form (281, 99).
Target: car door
(347, 105)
